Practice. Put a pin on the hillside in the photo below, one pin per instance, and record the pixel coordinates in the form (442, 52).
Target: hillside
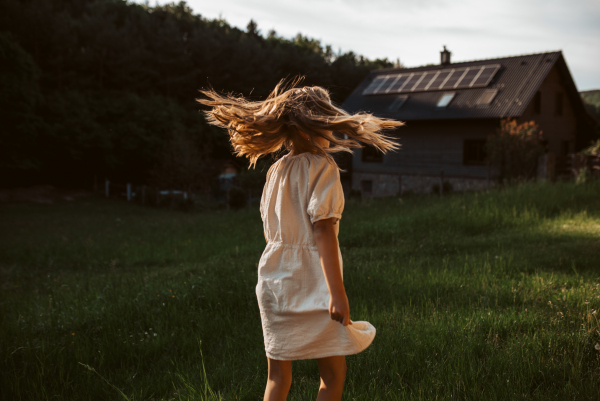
(591, 97)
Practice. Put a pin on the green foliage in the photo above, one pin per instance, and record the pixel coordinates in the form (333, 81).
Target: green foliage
(591, 97)
(19, 96)
(115, 75)
(184, 164)
(514, 149)
(593, 149)
(475, 296)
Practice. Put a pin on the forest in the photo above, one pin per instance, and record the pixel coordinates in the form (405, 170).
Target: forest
(108, 88)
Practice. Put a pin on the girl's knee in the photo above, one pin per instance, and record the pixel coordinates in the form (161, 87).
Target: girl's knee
(280, 373)
(333, 372)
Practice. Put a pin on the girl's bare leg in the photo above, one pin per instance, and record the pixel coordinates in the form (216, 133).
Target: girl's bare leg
(279, 381)
(333, 374)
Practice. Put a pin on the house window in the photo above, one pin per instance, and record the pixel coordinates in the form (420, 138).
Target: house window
(474, 152)
(397, 103)
(445, 100)
(537, 103)
(370, 154)
(487, 97)
(558, 106)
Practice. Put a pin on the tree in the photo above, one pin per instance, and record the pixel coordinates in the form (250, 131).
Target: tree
(19, 96)
(514, 149)
(184, 164)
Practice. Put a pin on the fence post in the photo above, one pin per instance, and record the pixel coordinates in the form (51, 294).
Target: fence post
(400, 185)
(143, 195)
(442, 184)
(107, 188)
(128, 192)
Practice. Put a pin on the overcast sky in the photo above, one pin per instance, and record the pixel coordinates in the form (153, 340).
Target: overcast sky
(415, 30)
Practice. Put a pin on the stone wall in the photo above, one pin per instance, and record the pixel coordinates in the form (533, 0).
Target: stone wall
(376, 185)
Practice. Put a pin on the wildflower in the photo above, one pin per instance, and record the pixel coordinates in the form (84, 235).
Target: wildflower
(597, 347)
(155, 334)
(72, 334)
(587, 302)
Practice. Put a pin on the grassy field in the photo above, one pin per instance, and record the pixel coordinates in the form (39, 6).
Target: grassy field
(488, 296)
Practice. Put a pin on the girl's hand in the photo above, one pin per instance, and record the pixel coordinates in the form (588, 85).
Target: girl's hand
(328, 247)
(339, 309)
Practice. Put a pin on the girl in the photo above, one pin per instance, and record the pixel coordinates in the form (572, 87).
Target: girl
(303, 304)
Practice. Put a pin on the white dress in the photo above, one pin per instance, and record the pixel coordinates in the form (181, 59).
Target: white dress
(292, 292)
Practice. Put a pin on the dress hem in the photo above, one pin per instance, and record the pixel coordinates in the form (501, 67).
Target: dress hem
(319, 356)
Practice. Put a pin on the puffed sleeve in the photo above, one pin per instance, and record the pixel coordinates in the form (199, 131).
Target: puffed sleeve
(265, 193)
(326, 196)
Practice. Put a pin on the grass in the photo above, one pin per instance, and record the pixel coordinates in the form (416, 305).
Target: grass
(475, 296)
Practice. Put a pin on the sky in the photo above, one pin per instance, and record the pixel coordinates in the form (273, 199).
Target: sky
(415, 31)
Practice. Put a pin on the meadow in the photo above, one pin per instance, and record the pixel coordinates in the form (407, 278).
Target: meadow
(476, 296)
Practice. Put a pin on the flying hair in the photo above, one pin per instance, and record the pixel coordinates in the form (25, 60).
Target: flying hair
(291, 117)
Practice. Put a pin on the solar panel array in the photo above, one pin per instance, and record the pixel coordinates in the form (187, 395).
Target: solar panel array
(446, 79)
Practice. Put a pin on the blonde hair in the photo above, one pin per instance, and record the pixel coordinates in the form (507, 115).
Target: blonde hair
(257, 128)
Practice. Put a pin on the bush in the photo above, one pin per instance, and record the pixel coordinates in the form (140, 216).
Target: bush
(514, 150)
(592, 150)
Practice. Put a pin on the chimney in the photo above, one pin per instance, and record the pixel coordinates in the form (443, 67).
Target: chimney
(445, 56)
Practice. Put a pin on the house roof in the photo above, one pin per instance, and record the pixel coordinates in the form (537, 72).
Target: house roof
(516, 81)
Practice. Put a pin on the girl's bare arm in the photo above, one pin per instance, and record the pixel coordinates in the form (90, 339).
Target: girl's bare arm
(327, 244)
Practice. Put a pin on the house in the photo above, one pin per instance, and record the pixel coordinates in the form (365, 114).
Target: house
(451, 108)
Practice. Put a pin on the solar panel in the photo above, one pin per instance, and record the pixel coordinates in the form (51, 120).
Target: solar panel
(468, 78)
(398, 84)
(486, 75)
(465, 77)
(412, 81)
(439, 80)
(453, 79)
(427, 77)
(371, 89)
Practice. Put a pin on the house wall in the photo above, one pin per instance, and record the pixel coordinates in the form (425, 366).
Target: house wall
(428, 148)
(559, 130)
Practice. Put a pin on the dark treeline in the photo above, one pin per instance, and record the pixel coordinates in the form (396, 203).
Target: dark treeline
(102, 87)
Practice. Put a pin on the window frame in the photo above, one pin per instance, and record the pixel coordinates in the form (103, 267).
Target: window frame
(451, 96)
(492, 93)
(481, 156)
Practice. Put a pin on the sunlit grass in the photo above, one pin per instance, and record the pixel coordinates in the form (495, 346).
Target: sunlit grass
(476, 296)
